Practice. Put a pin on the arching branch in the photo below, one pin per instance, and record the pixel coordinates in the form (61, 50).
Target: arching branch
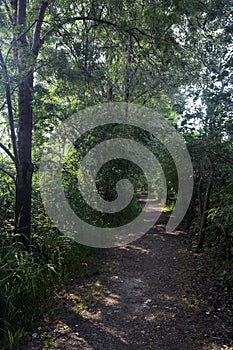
(129, 30)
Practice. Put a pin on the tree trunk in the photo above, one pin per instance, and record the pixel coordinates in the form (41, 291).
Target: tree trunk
(25, 167)
(26, 54)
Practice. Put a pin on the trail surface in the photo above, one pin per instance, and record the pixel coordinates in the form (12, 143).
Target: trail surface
(147, 296)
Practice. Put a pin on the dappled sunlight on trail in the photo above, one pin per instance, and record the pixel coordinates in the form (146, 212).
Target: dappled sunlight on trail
(148, 298)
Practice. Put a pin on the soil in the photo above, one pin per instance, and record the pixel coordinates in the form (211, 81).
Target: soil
(151, 294)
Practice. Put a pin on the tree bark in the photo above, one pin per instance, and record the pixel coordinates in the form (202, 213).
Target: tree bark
(25, 167)
(26, 59)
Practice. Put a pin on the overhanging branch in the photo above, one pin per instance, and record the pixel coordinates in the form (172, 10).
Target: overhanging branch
(129, 30)
(7, 173)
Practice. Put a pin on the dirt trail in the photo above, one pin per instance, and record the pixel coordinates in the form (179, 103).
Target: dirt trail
(146, 297)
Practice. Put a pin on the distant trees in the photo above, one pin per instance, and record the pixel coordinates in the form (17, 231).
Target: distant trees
(59, 57)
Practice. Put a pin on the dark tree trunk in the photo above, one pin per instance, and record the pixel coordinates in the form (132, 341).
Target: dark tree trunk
(25, 54)
(25, 167)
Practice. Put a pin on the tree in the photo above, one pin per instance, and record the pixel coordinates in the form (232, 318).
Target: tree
(149, 58)
(24, 49)
(210, 141)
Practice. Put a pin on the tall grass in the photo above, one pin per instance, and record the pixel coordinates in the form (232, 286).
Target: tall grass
(28, 279)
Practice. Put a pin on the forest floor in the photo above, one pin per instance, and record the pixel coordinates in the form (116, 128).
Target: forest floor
(152, 294)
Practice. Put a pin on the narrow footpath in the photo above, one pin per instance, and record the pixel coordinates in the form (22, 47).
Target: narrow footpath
(148, 295)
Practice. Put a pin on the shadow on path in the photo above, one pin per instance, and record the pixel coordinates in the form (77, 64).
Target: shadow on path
(148, 299)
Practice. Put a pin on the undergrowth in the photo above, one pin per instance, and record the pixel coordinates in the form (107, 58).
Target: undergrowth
(29, 279)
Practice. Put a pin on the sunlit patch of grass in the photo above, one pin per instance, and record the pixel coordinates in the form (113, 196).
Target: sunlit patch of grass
(96, 292)
(108, 267)
(82, 302)
(168, 208)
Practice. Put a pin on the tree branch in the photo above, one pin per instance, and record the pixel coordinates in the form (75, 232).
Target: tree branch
(5, 102)
(8, 152)
(8, 11)
(36, 39)
(7, 173)
(75, 19)
(128, 30)
(9, 106)
(19, 37)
